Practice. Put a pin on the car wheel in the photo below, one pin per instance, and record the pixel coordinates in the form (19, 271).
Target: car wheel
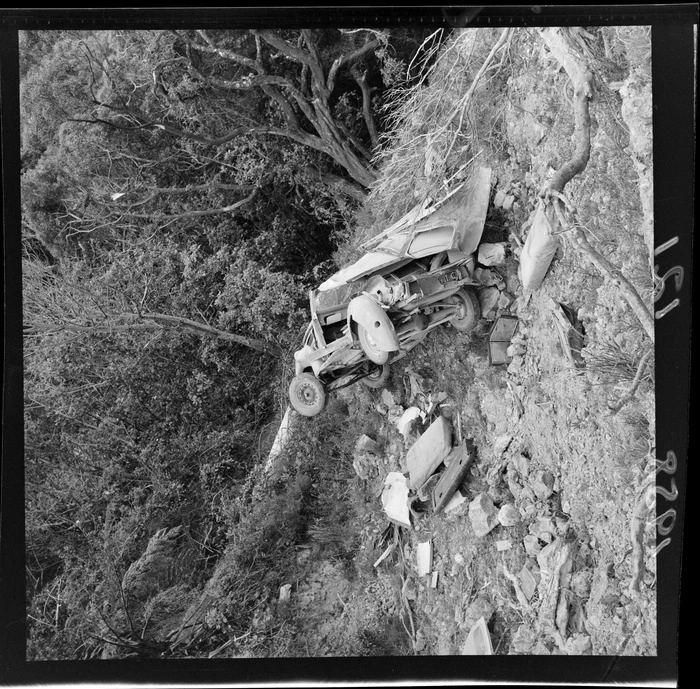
(378, 376)
(469, 310)
(307, 394)
(370, 348)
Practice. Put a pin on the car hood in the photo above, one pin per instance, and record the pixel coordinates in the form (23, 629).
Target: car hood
(456, 223)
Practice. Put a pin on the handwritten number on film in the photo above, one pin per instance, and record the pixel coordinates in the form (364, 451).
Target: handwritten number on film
(666, 521)
(660, 282)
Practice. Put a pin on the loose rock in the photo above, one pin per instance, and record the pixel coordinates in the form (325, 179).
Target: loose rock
(523, 640)
(483, 514)
(543, 484)
(481, 607)
(388, 399)
(366, 444)
(532, 545)
(488, 300)
(509, 515)
(578, 645)
(491, 254)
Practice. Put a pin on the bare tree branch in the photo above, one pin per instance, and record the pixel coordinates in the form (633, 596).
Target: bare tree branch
(347, 59)
(366, 105)
(582, 81)
(227, 54)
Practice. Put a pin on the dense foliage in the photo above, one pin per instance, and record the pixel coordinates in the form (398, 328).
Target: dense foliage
(181, 192)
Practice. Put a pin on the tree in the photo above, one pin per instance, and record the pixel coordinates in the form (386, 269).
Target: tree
(110, 156)
(76, 298)
(295, 76)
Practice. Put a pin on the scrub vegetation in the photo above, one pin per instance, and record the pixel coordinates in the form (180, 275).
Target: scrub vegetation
(182, 192)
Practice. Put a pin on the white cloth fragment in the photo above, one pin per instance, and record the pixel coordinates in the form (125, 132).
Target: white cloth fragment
(395, 498)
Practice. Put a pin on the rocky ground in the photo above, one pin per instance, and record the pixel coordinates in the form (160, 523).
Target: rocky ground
(540, 545)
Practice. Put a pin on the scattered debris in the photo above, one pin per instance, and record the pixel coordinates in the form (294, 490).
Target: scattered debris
(385, 555)
(415, 382)
(523, 640)
(519, 594)
(478, 642)
(388, 399)
(382, 408)
(424, 558)
(394, 414)
(528, 581)
(366, 444)
(429, 451)
(285, 592)
(570, 332)
(503, 545)
(461, 459)
(362, 467)
(364, 457)
(483, 514)
(405, 423)
(456, 501)
(500, 338)
(395, 498)
(479, 607)
(425, 492)
(434, 402)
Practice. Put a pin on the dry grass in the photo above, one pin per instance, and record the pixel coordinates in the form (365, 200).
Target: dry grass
(431, 140)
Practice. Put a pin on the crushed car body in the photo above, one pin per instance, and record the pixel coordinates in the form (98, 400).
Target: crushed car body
(419, 275)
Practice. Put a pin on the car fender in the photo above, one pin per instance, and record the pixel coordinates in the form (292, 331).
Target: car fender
(373, 318)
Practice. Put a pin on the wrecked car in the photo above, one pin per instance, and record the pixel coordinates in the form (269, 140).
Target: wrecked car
(420, 275)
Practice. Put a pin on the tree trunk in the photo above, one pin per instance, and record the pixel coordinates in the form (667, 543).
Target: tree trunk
(582, 80)
(130, 322)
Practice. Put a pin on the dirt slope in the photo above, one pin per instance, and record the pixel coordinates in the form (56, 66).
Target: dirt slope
(548, 441)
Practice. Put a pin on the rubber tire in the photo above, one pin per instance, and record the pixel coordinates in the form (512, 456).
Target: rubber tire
(307, 394)
(369, 348)
(472, 310)
(378, 377)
